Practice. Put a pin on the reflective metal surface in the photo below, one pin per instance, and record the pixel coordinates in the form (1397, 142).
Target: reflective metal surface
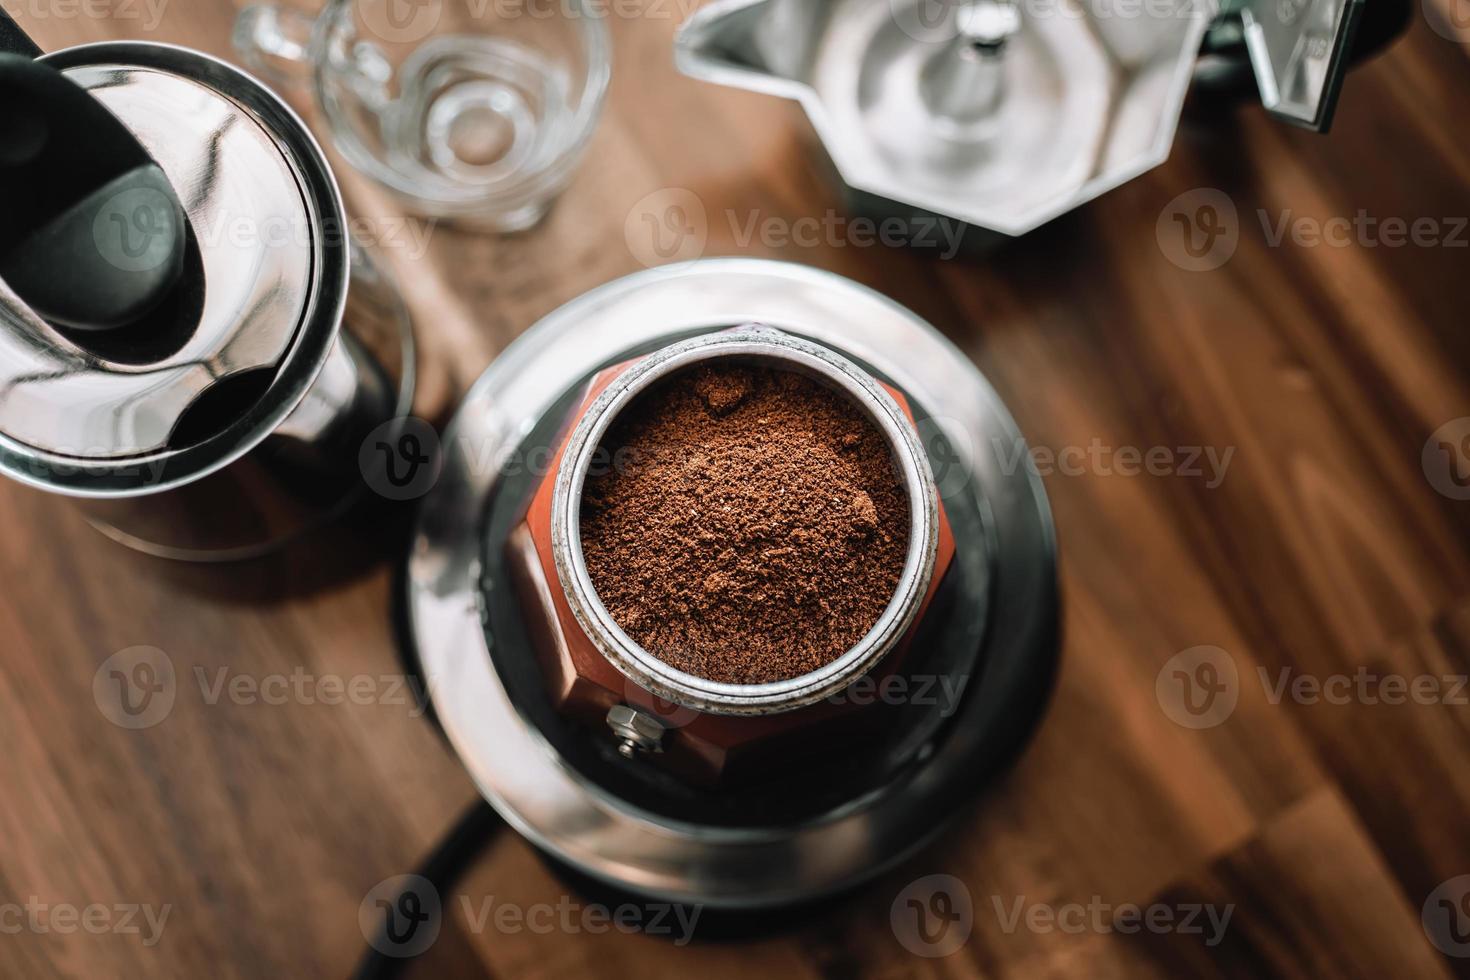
(197, 451)
(1299, 50)
(1003, 116)
(306, 471)
(788, 353)
(87, 472)
(560, 809)
(256, 246)
(967, 82)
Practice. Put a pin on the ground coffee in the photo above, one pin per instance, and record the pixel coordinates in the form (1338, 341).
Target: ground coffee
(754, 526)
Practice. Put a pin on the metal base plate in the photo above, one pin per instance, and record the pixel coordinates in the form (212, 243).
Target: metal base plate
(653, 843)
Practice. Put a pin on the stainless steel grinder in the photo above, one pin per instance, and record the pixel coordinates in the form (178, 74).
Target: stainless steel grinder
(172, 351)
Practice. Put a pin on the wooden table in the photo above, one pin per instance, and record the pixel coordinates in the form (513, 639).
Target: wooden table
(1325, 550)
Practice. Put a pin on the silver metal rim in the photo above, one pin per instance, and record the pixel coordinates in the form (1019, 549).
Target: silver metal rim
(515, 768)
(691, 690)
(323, 199)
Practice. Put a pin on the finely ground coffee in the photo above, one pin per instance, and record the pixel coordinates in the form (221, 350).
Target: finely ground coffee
(754, 526)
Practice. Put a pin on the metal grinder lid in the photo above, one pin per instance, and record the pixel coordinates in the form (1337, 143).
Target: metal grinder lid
(261, 205)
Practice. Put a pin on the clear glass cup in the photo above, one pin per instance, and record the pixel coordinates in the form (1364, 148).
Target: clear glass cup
(475, 112)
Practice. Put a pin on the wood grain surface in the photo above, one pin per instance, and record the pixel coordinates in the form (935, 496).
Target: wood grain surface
(1324, 549)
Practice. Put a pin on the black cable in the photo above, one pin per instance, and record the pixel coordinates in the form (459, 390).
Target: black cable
(13, 40)
(445, 866)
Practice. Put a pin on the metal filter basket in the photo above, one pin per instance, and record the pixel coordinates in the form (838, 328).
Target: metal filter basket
(777, 349)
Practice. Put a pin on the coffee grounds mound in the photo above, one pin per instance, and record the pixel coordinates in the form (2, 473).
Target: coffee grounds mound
(752, 526)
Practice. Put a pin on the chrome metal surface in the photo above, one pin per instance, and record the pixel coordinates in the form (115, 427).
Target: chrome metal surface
(1005, 136)
(308, 470)
(272, 240)
(256, 237)
(987, 24)
(637, 732)
(561, 810)
(1299, 51)
(967, 82)
(789, 353)
(118, 405)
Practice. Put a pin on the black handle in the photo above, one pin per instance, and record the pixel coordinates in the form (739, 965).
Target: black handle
(92, 234)
(13, 40)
